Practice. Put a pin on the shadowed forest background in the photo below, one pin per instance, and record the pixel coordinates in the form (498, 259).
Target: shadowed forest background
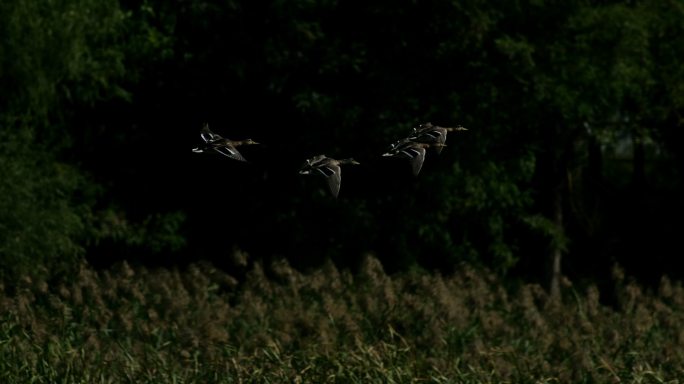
(574, 152)
(574, 112)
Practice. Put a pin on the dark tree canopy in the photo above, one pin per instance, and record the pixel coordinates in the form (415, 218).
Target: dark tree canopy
(573, 109)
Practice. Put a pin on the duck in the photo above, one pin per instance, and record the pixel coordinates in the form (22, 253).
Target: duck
(414, 151)
(214, 143)
(429, 133)
(328, 168)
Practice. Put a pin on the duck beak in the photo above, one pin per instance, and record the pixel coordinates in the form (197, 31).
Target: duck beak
(387, 154)
(304, 172)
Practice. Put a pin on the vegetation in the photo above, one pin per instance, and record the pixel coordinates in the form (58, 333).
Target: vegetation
(574, 113)
(142, 325)
(572, 164)
(39, 218)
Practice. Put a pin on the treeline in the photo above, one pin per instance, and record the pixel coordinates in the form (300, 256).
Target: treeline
(573, 157)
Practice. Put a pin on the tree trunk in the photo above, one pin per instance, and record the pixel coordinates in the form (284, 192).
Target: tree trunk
(556, 251)
(638, 165)
(595, 166)
(561, 146)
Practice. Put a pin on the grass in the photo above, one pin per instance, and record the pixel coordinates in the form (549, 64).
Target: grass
(327, 326)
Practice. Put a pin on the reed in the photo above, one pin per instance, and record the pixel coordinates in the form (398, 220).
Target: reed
(200, 324)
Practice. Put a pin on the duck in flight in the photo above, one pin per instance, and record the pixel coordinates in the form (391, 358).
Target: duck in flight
(413, 151)
(214, 143)
(429, 133)
(328, 168)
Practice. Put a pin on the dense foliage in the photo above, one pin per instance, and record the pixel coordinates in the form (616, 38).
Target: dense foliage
(573, 109)
(571, 169)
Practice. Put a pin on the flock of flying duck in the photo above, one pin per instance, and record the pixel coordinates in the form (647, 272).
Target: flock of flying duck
(412, 148)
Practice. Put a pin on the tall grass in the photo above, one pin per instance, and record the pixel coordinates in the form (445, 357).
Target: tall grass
(201, 325)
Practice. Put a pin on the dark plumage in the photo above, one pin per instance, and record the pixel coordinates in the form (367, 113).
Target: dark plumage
(328, 168)
(428, 133)
(214, 143)
(413, 151)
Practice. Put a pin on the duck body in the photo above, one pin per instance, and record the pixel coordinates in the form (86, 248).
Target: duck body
(327, 167)
(216, 144)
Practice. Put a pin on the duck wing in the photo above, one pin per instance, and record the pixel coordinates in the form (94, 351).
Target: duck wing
(398, 144)
(434, 135)
(413, 151)
(416, 156)
(334, 176)
(312, 164)
(207, 135)
(332, 172)
(429, 136)
(317, 160)
(228, 150)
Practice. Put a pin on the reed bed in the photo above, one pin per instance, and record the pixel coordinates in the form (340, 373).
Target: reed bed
(279, 325)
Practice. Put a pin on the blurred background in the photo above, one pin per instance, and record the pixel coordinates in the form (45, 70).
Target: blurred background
(572, 162)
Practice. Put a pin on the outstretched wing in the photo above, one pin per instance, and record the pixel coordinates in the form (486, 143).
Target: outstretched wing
(331, 172)
(207, 135)
(433, 135)
(317, 160)
(416, 156)
(398, 144)
(311, 164)
(229, 151)
(334, 179)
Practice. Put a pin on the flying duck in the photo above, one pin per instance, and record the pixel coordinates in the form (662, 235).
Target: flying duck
(429, 133)
(413, 151)
(214, 143)
(328, 168)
